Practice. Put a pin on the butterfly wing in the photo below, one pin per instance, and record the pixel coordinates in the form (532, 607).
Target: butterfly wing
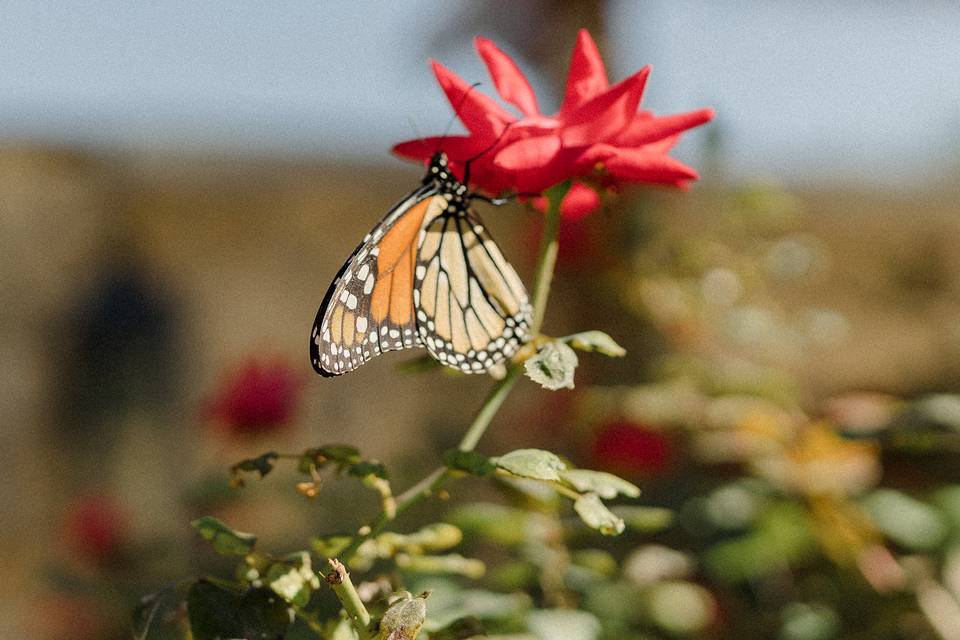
(472, 308)
(368, 308)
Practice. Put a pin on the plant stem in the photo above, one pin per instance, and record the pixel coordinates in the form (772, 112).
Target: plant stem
(543, 277)
(489, 408)
(339, 581)
(549, 246)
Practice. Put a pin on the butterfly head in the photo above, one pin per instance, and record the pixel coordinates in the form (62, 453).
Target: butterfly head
(438, 172)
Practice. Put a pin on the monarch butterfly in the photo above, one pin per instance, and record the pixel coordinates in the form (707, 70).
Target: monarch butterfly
(427, 275)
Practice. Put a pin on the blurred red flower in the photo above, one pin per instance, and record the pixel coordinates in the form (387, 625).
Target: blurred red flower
(632, 449)
(260, 396)
(73, 616)
(96, 528)
(598, 134)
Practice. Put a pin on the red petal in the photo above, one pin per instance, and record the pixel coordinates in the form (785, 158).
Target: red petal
(646, 128)
(607, 115)
(638, 165)
(579, 202)
(664, 145)
(480, 114)
(457, 148)
(593, 154)
(587, 77)
(528, 153)
(509, 80)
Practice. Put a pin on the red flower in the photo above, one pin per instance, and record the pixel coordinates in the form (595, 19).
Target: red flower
(75, 616)
(96, 528)
(598, 135)
(258, 397)
(632, 449)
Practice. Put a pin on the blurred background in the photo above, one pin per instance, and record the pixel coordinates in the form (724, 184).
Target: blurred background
(180, 181)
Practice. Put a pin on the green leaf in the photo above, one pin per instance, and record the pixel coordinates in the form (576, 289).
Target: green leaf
(942, 409)
(563, 624)
(606, 485)
(368, 468)
(782, 536)
(907, 521)
(947, 500)
(597, 561)
(261, 464)
(217, 613)
(451, 564)
(467, 628)
(434, 537)
(596, 341)
(497, 523)
(331, 546)
(596, 515)
(225, 540)
(403, 619)
(342, 454)
(471, 462)
(341, 629)
(680, 608)
(293, 580)
(449, 603)
(644, 519)
(535, 464)
(814, 621)
(552, 367)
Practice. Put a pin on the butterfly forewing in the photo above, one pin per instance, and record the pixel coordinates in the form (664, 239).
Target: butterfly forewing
(368, 308)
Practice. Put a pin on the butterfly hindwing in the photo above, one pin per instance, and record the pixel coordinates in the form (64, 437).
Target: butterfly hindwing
(472, 308)
(368, 308)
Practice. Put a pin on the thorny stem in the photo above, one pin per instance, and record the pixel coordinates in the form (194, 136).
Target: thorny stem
(543, 277)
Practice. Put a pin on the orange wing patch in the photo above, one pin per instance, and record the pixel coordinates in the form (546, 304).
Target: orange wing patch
(393, 292)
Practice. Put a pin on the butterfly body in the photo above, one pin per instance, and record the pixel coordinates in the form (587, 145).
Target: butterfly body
(428, 275)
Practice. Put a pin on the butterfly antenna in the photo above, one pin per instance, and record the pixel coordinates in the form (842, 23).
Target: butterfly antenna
(456, 110)
(416, 130)
(466, 165)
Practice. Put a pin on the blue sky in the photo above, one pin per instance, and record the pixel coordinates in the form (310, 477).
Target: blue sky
(816, 90)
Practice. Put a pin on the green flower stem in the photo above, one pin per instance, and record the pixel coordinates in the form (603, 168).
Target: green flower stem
(549, 246)
(488, 410)
(339, 581)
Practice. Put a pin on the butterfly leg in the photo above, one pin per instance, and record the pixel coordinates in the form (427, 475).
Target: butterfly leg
(495, 201)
